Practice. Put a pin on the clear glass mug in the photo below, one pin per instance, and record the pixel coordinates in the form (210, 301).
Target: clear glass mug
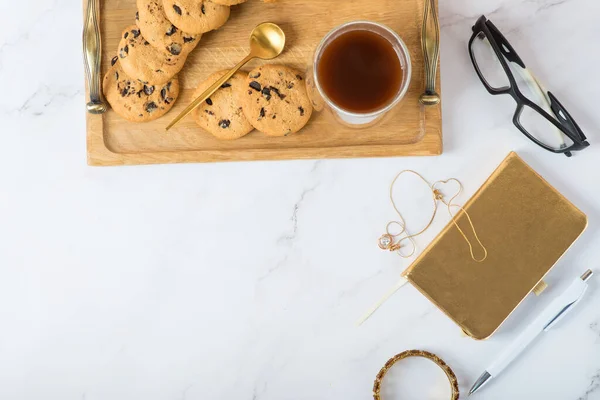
(320, 100)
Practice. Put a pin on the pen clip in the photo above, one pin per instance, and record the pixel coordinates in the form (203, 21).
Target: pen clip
(559, 316)
(569, 298)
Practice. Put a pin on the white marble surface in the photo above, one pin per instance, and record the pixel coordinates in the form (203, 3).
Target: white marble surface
(244, 280)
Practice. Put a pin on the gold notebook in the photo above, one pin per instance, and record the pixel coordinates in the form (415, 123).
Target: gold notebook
(526, 226)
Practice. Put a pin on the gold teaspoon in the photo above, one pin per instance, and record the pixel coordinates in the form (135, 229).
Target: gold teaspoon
(267, 41)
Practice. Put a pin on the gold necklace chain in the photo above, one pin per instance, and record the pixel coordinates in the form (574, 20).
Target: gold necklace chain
(395, 241)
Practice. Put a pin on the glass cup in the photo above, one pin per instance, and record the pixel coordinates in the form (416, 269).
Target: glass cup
(321, 101)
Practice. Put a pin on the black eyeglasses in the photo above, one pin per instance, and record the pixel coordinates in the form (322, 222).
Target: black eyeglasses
(539, 115)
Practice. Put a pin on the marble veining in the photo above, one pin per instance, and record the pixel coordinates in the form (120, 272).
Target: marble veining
(593, 387)
(289, 237)
(41, 99)
(245, 280)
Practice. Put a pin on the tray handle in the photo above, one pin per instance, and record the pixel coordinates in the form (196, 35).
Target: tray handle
(430, 42)
(92, 56)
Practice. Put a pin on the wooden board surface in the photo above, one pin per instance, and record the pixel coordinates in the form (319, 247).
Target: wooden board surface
(410, 129)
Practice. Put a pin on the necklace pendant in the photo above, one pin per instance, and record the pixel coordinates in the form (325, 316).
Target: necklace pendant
(385, 241)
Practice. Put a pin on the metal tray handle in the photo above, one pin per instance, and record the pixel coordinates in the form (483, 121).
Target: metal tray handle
(92, 55)
(430, 41)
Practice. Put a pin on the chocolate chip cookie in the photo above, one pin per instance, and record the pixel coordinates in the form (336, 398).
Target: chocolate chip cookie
(134, 100)
(228, 2)
(160, 32)
(142, 61)
(221, 114)
(275, 101)
(196, 16)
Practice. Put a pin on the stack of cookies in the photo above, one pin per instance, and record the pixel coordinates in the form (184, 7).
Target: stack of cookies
(142, 83)
(270, 98)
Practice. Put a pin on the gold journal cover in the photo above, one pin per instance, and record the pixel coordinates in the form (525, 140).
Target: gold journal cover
(526, 226)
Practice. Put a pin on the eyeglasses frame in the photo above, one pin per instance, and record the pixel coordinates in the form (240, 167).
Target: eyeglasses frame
(562, 120)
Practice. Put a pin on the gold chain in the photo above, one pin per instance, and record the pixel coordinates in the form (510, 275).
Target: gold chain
(394, 241)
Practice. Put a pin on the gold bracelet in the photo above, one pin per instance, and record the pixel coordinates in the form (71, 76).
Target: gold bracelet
(415, 353)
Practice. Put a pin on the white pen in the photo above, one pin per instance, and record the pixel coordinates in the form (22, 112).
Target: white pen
(547, 319)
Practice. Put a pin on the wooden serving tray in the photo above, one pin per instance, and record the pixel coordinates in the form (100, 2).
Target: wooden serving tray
(410, 129)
